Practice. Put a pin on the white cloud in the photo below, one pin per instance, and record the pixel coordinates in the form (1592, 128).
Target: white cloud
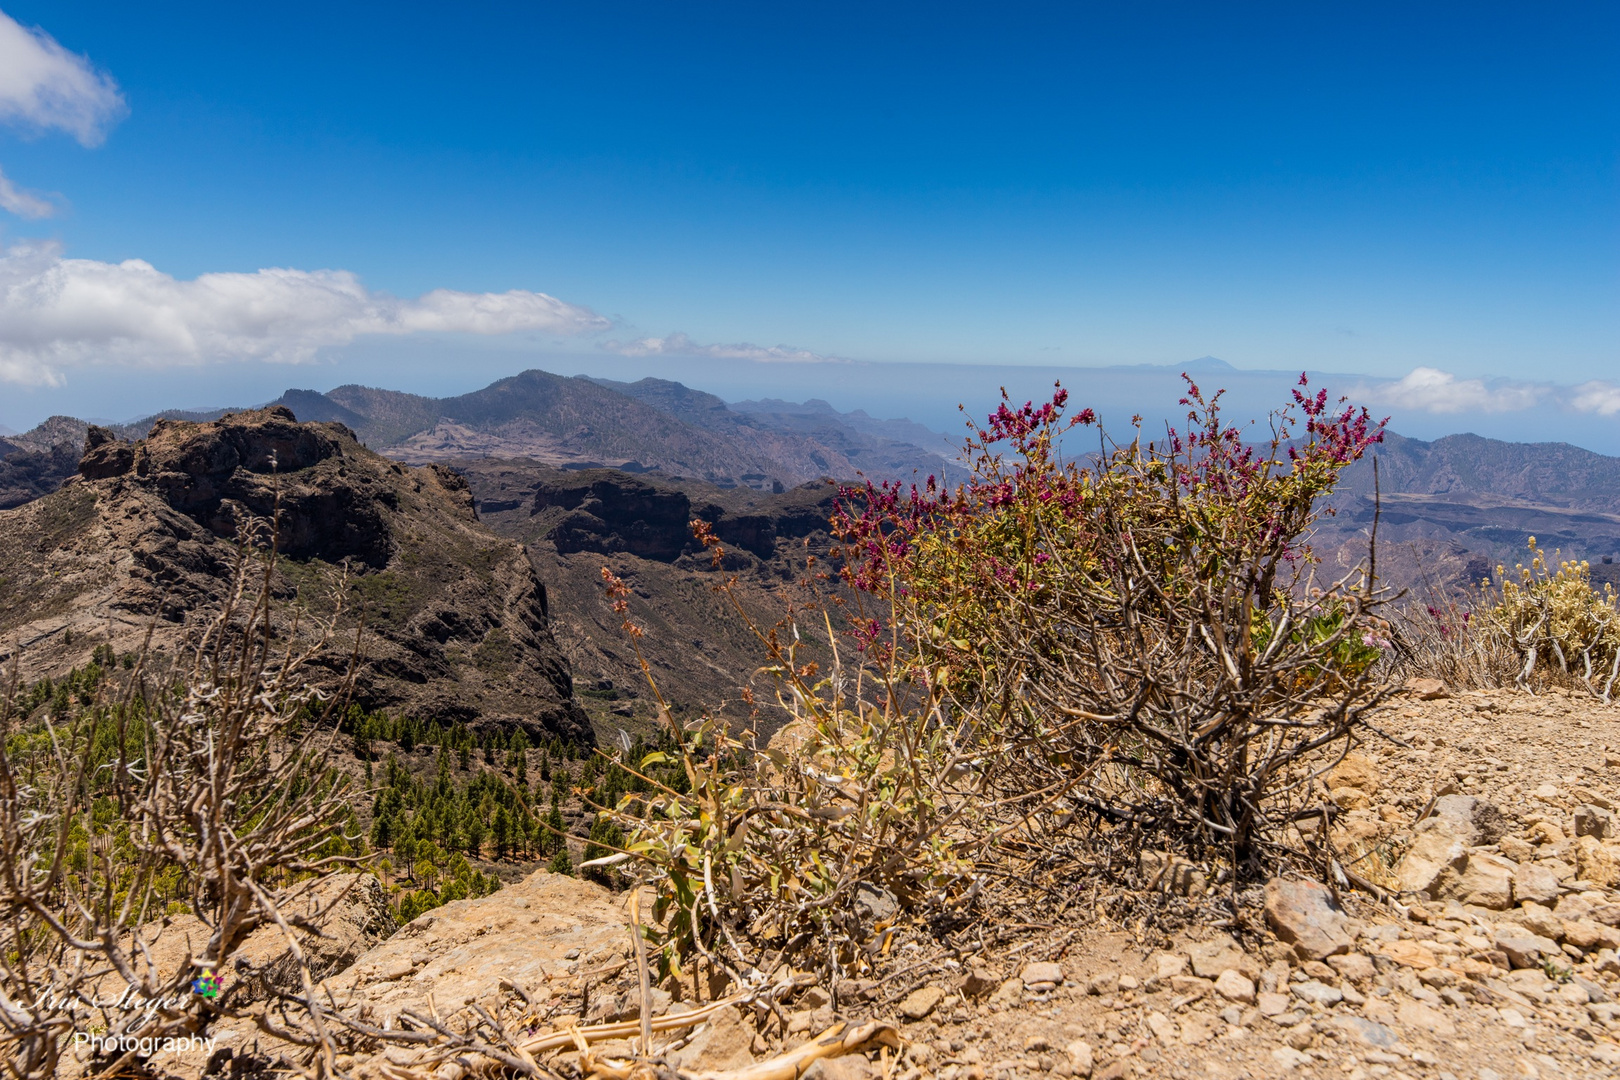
(43, 86)
(58, 313)
(1435, 391)
(678, 344)
(23, 203)
(1598, 397)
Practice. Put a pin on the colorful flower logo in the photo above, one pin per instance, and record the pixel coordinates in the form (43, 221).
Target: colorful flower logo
(206, 984)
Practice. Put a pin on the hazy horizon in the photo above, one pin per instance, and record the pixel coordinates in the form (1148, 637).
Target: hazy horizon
(928, 394)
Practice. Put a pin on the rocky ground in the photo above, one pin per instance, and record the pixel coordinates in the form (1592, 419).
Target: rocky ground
(1494, 956)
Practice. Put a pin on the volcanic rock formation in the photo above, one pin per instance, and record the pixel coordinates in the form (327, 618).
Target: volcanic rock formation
(147, 535)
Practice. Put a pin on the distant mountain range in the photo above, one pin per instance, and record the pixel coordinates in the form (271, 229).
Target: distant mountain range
(649, 426)
(1451, 508)
(1450, 511)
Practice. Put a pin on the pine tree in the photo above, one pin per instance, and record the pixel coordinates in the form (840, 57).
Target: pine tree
(475, 830)
(554, 834)
(503, 833)
(382, 830)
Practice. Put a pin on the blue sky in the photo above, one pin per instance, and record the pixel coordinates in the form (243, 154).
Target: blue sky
(706, 189)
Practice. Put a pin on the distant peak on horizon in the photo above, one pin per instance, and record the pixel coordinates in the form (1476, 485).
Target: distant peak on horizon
(1209, 363)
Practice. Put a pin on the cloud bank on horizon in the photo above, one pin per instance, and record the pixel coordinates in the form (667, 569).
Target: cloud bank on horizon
(678, 344)
(58, 313)
(1431, 390)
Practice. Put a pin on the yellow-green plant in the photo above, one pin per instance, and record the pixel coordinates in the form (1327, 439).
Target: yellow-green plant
(1557, 616)
(781, 850)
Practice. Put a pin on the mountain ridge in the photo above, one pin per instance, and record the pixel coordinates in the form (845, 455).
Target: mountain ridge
(143, 540)
(1440, 495)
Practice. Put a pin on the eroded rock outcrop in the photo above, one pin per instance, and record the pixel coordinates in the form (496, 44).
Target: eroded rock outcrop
(454, 616)
(609, 511)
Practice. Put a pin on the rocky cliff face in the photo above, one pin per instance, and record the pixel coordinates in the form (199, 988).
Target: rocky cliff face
(27, 474)
(608, 511)
(454, 616)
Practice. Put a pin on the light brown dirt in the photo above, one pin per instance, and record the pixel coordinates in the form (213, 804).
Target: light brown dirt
(1426, 991)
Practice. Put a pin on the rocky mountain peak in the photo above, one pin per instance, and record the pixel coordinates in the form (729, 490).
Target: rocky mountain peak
(454, 617)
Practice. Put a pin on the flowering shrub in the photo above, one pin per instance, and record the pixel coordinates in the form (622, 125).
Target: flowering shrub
(1067, 660)
(1556, 616)
(1138, 629)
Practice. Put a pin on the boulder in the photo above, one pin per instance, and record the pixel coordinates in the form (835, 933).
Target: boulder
(1165, 966)
(920, 1002)
(1233, 986)
(1349, 798)
(1304, 914)
(1354, 967)
(1534, 883)
(1548, 834)
(1524, 949)
(1589, 936)
(1317, 993)
(874, 904)
(1354, 771)
(1486, 881)
(1594, 821)
(462, 951)
(1080, 1057)
(722, 1043)
(1409, 954)
(1426, 689)
(1597, 862)
(1538, 920)
(1434, 860)
(1210, 958)
(1473, 820)
(1271, 1004)
(1044, 975)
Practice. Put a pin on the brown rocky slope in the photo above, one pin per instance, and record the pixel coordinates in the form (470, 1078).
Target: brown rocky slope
(1499, 965)
(575, 522)
(144, 536)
